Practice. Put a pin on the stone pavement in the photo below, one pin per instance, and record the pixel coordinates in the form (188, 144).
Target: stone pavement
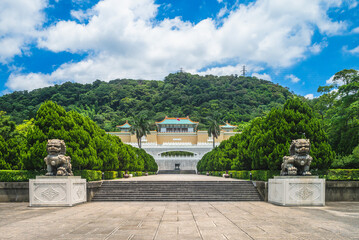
(179, 220)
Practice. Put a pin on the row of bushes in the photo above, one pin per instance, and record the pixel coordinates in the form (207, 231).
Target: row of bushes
(18, 175)
(119, 174)
(89, 175)
(258, 175)
(264, 175)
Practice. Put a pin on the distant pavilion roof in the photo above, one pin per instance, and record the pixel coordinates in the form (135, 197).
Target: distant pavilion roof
(125, 125)
(228, 126)
(174, 121)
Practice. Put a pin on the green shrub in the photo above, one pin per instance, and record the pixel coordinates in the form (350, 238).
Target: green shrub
(347, 162)
(90, 175)
(343, 174)
(110, 174)
(264, 175)
(259, 175)
(243, 174)
(121, 173)
(139, 174)
(18, 175)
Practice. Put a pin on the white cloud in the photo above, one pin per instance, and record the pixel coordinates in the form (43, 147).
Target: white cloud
(318, 47)
(354, 50)
(353, 4)
(28, 81)
(263, 76)
(292, 78)
(19, 21)
(309, 96)
(330, 80)
(222, 12)
(123, 39)
(338, 82)
(355, 30)
(227, 70)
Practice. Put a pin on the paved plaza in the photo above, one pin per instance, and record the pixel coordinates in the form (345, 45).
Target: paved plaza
(179, 220)
(178, 177)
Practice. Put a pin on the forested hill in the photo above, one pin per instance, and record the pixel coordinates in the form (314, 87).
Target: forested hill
(236, 98)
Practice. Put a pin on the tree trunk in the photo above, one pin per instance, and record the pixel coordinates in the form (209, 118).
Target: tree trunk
(214, 144)
(139, 142)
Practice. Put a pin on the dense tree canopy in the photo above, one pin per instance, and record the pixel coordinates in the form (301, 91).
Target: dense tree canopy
(339, 107)
(11, 144)
(266, 140)
(88, 146)
(182, 94)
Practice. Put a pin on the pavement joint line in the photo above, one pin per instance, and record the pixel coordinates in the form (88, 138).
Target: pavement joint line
(131, 236)
(224, 236)
(76, 228)
(261, 229)
(231, 221)
(159, 224)
(194, 219)
(90, 232)
(118, 227)
(112, 232)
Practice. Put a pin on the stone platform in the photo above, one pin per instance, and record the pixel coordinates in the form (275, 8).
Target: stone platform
(184, 220)
(296, 191)
(57, 191)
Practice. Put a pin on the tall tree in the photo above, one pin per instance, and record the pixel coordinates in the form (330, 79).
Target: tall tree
(12, 144)
(214, 129)
(88, 146)
(341, 111)
(141, 128)
(266, 140)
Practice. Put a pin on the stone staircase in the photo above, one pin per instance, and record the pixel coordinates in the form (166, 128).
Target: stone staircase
(177, 191)
(176, 172)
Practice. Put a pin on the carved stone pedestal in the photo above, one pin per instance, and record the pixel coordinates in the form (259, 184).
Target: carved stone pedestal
(57, 191)
(296, 191)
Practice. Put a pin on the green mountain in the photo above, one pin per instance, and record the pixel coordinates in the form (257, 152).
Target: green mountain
(235, 98)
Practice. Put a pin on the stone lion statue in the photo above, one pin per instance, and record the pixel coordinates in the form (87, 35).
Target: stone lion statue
(299, 160)
(57, 163)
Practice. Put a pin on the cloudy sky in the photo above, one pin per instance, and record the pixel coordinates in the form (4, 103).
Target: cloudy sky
(298, 44)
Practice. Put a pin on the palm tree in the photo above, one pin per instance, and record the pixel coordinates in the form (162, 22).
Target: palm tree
(214, 129)
(141, 128)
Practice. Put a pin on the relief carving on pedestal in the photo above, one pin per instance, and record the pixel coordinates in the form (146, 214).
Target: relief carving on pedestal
(303, 192)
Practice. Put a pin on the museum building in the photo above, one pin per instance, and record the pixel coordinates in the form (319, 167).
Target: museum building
(172, 131)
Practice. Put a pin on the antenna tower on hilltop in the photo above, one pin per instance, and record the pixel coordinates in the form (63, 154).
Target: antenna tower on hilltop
(244, 71)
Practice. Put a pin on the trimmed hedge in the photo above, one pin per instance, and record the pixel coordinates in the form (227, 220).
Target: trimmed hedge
(134, 174)
(110, 174)
(18, 175)
(121, 173)
(343, 174)
(90, 175)
(264, 175)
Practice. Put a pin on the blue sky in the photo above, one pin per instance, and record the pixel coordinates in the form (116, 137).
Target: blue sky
(298, 44)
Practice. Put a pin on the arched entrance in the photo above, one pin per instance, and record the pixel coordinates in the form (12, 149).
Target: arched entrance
(183, 162)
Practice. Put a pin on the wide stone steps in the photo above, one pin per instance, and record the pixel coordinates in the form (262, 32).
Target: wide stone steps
(177, 191)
